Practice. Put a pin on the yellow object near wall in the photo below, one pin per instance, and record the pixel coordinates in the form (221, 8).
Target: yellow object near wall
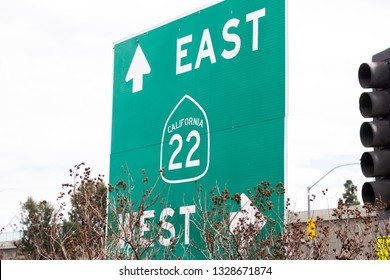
(382, 247)
(311, 228)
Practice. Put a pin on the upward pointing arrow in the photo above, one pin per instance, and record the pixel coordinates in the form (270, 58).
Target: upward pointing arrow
(139, 67)
(249, 215)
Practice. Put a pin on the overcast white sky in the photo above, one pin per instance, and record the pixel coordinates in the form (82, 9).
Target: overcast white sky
(56, 89)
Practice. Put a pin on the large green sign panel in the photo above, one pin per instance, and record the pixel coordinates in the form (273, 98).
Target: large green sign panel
(201, 101)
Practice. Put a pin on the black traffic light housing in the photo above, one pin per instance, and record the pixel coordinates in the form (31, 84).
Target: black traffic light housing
(376, 133)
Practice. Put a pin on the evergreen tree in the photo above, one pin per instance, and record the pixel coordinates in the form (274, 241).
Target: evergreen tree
(36, 221)
(47, 234)
(349, 196)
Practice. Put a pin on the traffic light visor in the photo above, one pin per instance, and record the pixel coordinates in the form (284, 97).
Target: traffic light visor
(376, 163)
(374, 74)
(374, 104)
(375, 133)
(371, 191)
(368, 193)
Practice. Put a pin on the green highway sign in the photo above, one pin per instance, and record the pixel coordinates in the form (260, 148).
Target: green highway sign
(201, 101)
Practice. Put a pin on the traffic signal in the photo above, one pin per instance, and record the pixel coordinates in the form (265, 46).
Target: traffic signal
(376, 133)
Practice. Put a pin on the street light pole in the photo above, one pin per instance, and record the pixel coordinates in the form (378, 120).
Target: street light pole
(310, 187)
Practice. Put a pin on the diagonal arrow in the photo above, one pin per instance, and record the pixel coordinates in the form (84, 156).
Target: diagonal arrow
(249, 215)
(139, 67)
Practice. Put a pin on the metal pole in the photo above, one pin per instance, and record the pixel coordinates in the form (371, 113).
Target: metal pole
(310, 187)
(308, 202)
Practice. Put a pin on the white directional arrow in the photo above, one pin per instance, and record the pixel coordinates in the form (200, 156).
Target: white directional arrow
(139, 67)
(249, 215)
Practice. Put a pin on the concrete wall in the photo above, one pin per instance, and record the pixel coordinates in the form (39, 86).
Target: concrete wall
(7, 245)
(7, 250)
(349, 234)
